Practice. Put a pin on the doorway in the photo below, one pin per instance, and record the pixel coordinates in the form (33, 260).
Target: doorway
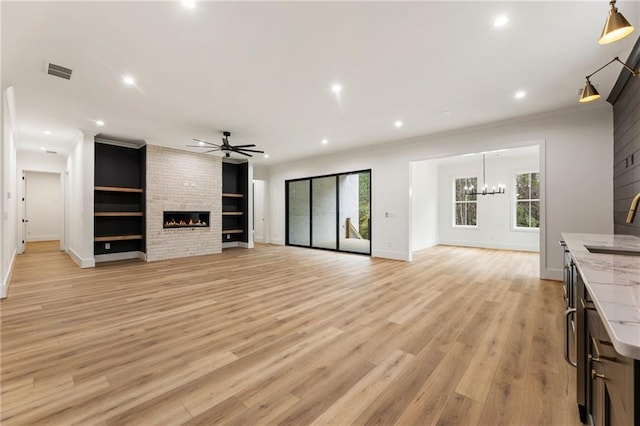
(42, 209)
(330, 212)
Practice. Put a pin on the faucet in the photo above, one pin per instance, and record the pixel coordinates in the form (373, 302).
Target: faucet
(633, 208)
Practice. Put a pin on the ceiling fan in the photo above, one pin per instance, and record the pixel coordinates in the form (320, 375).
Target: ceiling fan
(226, 147)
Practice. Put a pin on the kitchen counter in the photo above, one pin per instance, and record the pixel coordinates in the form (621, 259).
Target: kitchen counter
(613, 281)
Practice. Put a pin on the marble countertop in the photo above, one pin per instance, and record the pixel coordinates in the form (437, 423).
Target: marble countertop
(613, 281)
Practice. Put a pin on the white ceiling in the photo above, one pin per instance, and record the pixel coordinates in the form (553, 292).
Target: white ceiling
(263, 70)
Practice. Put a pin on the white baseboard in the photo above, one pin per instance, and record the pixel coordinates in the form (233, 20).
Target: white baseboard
(425, 245)
(387, 254)
(6, 280)
(81, 262)
(230, 244)
(551, 274)
(490, 245)
(32, 238)
(277, 242)
(127, 255)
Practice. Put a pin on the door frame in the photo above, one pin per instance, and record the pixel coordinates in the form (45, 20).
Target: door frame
(337, 177)
(22, 235)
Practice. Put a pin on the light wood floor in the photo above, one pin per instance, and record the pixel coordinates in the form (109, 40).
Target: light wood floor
(282, 335)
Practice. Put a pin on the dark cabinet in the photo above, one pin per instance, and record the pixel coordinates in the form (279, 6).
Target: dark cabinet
(610, 382)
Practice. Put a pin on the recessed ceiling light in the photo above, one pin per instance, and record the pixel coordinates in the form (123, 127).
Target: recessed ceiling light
(336, 88)
(447, 112)
(520, 94)
(99, 123)
(398, 123)
(266, 156)
(189, 4)
(128, 80)
(46, 132)
(500, 21)
(200, 143)
(43, 148)
(324, 141)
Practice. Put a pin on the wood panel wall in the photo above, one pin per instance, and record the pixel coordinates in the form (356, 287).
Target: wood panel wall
(625, 98)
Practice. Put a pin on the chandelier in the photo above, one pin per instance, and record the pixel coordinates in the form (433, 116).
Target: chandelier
(485, 188)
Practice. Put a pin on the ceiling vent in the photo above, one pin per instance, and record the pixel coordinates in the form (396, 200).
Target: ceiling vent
(59, 71)
(51, 152)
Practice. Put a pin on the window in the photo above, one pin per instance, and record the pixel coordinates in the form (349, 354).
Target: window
(466, 211)
(527, 200)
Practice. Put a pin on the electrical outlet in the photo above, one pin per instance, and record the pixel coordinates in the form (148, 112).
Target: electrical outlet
(107, 246)
(228, 237)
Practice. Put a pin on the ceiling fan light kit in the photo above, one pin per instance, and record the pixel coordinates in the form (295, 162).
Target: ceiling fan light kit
(226, 148)
(615, 28)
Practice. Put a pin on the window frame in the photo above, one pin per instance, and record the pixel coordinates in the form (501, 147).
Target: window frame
(515, 200)
(456, 202)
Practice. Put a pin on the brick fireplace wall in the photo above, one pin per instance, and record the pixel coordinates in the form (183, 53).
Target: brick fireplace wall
(178, 181)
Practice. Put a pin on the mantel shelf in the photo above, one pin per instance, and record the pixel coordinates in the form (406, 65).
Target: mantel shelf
(232, 195)
(117, 214)
(232, 213)
(118, 238)
(117, 189)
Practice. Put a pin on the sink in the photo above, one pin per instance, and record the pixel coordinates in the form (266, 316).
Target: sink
(613, 250)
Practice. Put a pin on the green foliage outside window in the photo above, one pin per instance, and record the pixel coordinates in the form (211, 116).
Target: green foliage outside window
(364, 204)
(466, 210)
(528, 200)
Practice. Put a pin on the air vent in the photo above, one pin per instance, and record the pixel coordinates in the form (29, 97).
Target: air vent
(59, 71)
(51, 152)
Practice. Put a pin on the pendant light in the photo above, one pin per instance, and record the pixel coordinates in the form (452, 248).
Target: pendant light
(485, 189)
(589, 93)
(616, 27)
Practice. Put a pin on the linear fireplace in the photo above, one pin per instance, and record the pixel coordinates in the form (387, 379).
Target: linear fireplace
(185, 219)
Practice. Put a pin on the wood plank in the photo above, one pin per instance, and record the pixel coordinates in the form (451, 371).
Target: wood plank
(118, 238)
(118, 214)
(118, 189)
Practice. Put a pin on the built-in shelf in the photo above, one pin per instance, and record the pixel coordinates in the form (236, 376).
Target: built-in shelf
(232, 231)
(117, 189)
(232, 195)
(118, 238)
(232, 213)
(118, 214)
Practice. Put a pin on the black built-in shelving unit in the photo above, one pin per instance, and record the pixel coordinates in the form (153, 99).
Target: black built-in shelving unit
(235, 194)
(119, 199)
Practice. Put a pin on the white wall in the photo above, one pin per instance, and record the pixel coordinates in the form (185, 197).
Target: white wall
(79, 226)
(8, 222)
(40, 161)
(495, 212)
(424, 204)
(577, 158)
(43, 206)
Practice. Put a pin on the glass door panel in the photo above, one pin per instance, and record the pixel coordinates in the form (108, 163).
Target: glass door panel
(355, 212)
(299, 213)
(324, 208)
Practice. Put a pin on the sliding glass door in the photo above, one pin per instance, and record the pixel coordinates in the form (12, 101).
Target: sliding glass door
(330, 212)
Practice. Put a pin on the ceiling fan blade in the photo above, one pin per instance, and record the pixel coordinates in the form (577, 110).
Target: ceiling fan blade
(201, 141)
(245, 146)
(201, 146)
(212, 150)
(243, 153)
(248, 150)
